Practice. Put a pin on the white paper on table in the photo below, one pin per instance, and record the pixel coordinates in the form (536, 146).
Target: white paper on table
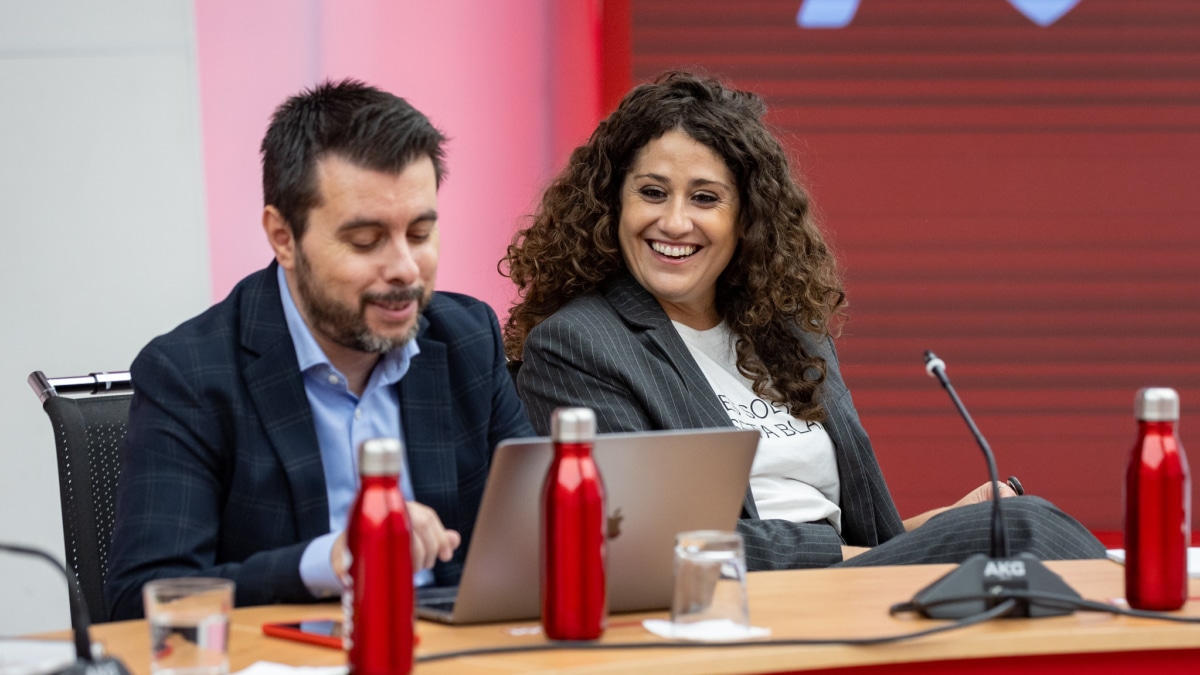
(1118, 554)
(32, 657)
(717, 630)
(269, 668)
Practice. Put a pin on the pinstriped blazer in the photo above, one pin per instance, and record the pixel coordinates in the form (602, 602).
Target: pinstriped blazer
(617, 352)
(221, 470)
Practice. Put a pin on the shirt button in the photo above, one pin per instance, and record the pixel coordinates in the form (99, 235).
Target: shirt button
(358, 413)
(333, 379)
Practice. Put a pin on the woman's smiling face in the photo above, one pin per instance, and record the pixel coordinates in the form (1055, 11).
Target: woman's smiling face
(678, 228)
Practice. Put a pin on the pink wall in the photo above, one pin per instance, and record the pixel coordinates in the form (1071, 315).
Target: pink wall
(514, 84)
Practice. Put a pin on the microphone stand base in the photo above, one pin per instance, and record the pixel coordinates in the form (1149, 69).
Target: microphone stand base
(983, 575)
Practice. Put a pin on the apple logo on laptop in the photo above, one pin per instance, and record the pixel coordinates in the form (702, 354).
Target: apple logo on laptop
(614, 524)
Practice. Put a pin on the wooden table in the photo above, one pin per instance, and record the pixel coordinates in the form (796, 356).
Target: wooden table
(794, 604)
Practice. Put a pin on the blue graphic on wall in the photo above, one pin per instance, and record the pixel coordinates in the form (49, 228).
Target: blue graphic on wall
(1044, 12)
(826, 13)
(839, 13)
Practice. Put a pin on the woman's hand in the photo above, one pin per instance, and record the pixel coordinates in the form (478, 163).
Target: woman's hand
(849, 552)
(983, 493)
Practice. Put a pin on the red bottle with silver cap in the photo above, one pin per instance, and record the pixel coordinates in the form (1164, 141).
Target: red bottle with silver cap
(574, 596)
(1158, 505)
(379, 602)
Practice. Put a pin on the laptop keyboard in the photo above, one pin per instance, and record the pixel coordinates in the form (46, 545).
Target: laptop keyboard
(437, 598)
(439, 605)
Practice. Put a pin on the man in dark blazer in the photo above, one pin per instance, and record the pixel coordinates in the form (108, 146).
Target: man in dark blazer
(241, 416)
(616, 352)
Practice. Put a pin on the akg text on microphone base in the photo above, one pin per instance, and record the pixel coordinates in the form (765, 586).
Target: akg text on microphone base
(982, 582)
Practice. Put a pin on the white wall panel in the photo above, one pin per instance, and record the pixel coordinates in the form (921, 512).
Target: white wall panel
(102, 233)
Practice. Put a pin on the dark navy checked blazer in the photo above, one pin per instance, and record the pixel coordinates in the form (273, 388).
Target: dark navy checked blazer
(221, 471)
(617, 352)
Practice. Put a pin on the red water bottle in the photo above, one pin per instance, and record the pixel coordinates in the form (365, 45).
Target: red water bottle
(574, 597)
(1158, 506)
(378, 601)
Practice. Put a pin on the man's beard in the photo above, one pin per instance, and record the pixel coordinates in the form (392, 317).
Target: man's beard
(348, 326)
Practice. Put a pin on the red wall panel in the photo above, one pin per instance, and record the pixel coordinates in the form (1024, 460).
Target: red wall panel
(1020, 199)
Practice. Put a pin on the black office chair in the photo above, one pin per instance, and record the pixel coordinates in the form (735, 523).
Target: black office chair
(89, 415)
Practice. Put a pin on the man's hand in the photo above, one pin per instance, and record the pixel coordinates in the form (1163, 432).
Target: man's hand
(430, 541)
(339, 558)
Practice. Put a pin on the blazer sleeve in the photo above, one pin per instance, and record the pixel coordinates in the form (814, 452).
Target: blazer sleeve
(868, 514)
(599, 364)
(175, 473)
(566, 366)
(782, 544)
(509, 416)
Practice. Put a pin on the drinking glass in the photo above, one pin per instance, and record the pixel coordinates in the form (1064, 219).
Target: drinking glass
(710, 582)
(189, 625)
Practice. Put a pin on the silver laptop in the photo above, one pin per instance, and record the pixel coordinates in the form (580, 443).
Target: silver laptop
(656, 485)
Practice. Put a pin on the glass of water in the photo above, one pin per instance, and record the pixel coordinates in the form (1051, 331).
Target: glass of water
(189, 625)
(710, 583)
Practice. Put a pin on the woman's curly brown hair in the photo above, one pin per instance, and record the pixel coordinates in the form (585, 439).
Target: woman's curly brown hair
(782, 276)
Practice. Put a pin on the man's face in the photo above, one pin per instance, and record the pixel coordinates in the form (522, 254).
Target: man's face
(366, 264)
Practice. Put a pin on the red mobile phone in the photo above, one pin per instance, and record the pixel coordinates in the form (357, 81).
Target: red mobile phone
(326, 633)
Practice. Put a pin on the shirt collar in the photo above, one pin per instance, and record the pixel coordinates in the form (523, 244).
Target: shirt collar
(389, 370)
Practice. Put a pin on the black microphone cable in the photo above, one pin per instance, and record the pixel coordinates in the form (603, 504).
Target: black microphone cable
(85, 661)
(1008, 602)
(83, 646)
(1059, 601)
(994, 612)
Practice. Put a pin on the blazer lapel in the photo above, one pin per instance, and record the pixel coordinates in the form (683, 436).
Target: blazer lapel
(272, 376)
(425, 414)
(638, 308)
(858, 470)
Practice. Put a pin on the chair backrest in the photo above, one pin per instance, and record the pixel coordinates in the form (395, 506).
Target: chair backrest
(89, 415)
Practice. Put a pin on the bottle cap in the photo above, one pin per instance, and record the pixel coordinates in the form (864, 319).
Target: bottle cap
(572, 425)
(1156, 404)
(380, 457)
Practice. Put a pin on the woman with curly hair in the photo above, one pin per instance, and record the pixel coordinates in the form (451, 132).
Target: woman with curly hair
(674, 278)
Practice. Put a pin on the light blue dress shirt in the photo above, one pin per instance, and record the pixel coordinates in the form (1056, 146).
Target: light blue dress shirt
(343, 421)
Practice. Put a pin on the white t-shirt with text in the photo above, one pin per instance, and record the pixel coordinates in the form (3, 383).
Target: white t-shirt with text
(794, 476)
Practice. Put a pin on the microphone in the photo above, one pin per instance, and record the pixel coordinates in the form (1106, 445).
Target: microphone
(85, 662)
(992, 576)
(936, 368)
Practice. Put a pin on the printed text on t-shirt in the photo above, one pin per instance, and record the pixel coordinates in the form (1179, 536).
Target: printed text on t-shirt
(751, 415)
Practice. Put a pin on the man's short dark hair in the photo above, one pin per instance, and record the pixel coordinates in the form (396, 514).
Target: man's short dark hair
(352, 120)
